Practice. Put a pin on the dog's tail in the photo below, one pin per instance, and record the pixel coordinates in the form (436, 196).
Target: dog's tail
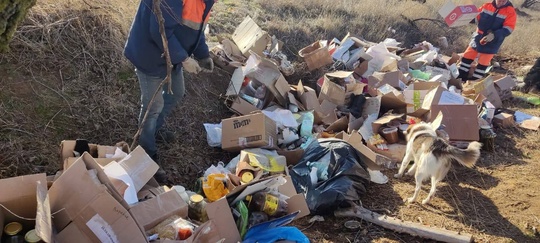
(467, 157)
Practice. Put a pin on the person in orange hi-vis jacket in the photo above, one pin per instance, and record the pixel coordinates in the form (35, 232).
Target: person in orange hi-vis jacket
(496, 21)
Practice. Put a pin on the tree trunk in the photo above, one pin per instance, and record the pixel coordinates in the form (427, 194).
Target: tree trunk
(12, 13)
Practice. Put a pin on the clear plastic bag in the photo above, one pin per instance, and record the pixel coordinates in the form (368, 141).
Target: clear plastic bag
(213, 134)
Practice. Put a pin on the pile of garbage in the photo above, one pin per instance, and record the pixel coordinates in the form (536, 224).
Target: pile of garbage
(302, 149)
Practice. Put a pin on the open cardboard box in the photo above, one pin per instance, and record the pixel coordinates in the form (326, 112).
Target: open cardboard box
(219, 211)
(267, 72)
(25, 196)
(415, 95)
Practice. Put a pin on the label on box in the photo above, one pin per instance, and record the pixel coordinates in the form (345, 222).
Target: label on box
(102, 229)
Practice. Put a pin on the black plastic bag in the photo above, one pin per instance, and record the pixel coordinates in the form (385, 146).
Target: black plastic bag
(347, 181)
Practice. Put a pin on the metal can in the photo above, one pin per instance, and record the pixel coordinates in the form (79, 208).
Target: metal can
(13, 228)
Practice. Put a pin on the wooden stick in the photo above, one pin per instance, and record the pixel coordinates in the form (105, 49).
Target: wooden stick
(408, 227)
(166, 54)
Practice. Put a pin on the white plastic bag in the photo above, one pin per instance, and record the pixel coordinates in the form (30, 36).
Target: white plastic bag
(213, 134)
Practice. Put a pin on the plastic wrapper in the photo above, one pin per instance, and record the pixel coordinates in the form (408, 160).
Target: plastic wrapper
(242, 221)
(173, 228)
(213, 134)
(347, 181)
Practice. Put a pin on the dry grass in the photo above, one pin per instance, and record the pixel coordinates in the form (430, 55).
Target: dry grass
(66, 78)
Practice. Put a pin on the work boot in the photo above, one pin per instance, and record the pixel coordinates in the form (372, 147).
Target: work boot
(161, 175)
(164, 136)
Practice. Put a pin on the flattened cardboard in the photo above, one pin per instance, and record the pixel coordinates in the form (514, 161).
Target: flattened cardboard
(461, 121)
(395, 151)
(248, 36)
(340, 125)
(250, 131)
(153, 211)
(372, 159)
(505, 83)
(531, 124)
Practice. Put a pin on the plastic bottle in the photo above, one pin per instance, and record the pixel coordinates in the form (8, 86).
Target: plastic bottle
(313, 175)
(252, 100)
(182, 192)
(268, 203)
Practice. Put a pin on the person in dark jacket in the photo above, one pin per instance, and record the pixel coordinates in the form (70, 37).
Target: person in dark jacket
(184, 29)
(496, 21)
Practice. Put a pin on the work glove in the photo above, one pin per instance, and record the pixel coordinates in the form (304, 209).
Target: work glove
(207, 64)
(488, 38)
(191, 66)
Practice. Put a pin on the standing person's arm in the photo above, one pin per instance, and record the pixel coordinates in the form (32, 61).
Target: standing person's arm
(508, 25)
(172, 14)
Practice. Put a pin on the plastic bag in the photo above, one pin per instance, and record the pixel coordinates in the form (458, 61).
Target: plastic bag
(347, 176)
(219, 169)
(274, 230)
(213, 134)
(242, 221)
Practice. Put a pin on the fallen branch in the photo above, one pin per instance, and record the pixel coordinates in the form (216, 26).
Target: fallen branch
(411, 228)
(167, 80)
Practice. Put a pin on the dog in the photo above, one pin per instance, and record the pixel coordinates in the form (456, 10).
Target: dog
(532, 79)
(433, 157)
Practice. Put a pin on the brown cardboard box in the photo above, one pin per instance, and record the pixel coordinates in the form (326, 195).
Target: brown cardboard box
(308, 97)
(153, 211)
(487, 88)
(19, 195)
(335, 92)
(504, 120)
(237, 104)
(249, 131)
(372, 159)
(68, 146)
(267, 72)
(377, 124)
(391, 98)
(92, 212)
(219, 211)
(395, 79)
(395, 151)
(415, 94)
(316, 55)
(504, 86)
(461, 121)
(248, 36)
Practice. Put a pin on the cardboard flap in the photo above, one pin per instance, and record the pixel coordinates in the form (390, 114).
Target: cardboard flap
(308, 97)
(153, 211)
(43, 214)
(340, 125)
(139, 166)
(236, 82)
(340, 74)
(384, 120)
(294, 101)
(355, 140)
(505, 83)
(436, 123)
(249, 36)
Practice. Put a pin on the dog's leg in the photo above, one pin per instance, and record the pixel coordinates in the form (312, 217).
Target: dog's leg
(412, 170)
(434, 182)
(406, 160)
(419, 179)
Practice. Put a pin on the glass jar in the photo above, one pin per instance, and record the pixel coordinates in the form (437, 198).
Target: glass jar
(197, 208)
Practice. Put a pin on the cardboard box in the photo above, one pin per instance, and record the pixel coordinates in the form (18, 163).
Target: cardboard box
(308, 97)
(68, 146)
(391, 98)
(395, 79)
(395, 152)
(219, 211)
(316, 55)
(504, 120)
(248, 36)
(461, 121)
(415, 94)
(153, 211)
(88, 209)
(504, 86)
(249, 131)
(25, 197)
(485, 87)
(439, 74)
(373, 160)
(458, 15)
(335, 87)
(267, 72)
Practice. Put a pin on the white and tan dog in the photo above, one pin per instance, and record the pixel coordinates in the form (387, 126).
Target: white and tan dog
(432, 157)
